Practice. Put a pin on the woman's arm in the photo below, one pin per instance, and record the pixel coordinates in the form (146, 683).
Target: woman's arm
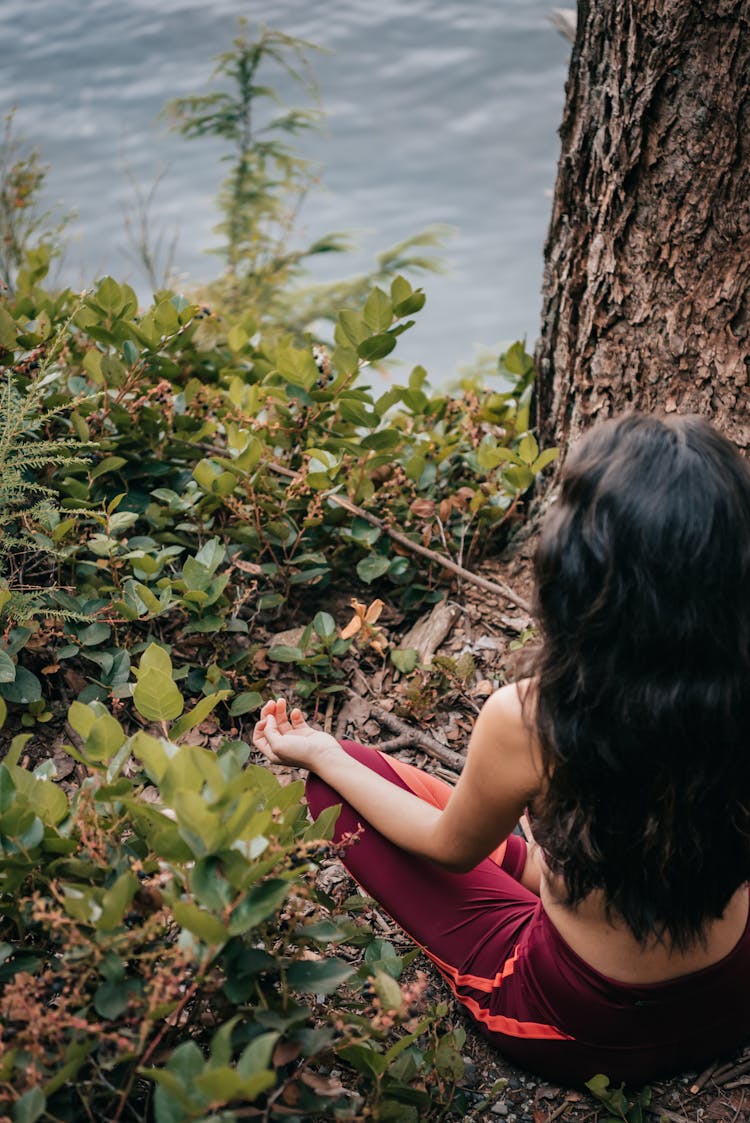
(501, 776)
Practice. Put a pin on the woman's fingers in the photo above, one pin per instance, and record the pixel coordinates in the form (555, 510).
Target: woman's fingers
(297, 717)
(271, 730)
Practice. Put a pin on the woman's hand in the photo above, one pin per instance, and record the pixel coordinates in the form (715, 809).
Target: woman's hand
(289, 739)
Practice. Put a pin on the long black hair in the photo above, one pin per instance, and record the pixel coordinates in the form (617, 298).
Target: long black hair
(642, 700)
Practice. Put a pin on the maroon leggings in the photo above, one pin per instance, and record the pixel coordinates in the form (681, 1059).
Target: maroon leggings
(527, 991)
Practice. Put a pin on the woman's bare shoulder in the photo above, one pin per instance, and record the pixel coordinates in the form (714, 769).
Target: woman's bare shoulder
(513, 706)
(505, 728)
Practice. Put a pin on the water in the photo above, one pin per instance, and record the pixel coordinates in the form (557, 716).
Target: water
(438, 112)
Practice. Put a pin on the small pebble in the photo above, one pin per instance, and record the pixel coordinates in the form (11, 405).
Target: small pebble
(514, 1082)
(470, 1071)
(499, 1108)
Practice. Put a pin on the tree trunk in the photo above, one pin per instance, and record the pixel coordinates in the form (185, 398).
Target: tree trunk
(646, 294)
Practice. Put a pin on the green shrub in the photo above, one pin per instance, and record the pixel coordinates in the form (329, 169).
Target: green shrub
(231, 479)
(160, 934)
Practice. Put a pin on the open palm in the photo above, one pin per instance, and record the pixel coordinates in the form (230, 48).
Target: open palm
(286, 738)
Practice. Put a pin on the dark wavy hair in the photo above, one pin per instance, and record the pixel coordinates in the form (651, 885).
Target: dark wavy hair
(642, 704)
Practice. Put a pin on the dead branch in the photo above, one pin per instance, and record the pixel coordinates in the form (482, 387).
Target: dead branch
(404, 741)
(721, 1078)
(418, 739)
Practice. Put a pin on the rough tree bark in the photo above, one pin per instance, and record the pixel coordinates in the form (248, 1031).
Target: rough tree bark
(646, 294)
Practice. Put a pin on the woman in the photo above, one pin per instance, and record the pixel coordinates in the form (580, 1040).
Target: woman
(619, 941)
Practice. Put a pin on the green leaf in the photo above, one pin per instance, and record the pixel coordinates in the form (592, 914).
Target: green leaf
(237, 338)
(528, 449)
(151, 753)
(405, 659)
(283, 653)
(211, 555)
(30, 1106)
(517, 361)
(376, 347)
(519, 477)
(355, 412)
(17, 746)
(385, 438)
(82, 718)
(112, 998)
(381, 955)
(155, 658)
(258, 905)
(153, 605)
(489, 456)
(156, 696)
(48, 801)
(364, 1058)
(448, 1061)
(256, 1057)
(372, 567)
(116, 901)
(104, 738)
(323, 827)
(544, 459)
(7, 667)
(410, 305)
(350, 328)
(7, 789)
(24, 688)
(109, 464)
(208, 885)
(324, 625)
(246, 703)
(388, 991)
(417, 378)
(393, 1111)
(400, 289)
(8, 330)
(319, 976)
(202, 924)
(377, 312)
(109, 295)
(199, 713)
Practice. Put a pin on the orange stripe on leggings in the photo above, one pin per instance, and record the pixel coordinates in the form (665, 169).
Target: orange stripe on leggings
(431, 790)
(476, 982)
(498, 1023)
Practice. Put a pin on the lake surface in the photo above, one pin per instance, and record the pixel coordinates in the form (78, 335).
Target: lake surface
(438, 112)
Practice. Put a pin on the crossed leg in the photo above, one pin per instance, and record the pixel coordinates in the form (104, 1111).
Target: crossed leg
(468, 923)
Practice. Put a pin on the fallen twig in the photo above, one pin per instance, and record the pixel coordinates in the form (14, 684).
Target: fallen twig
(497, 587)
(403, 741)
(717, 1073)
(721, 1077)
(418, 739)
(704, 1077)
(665, 1113)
